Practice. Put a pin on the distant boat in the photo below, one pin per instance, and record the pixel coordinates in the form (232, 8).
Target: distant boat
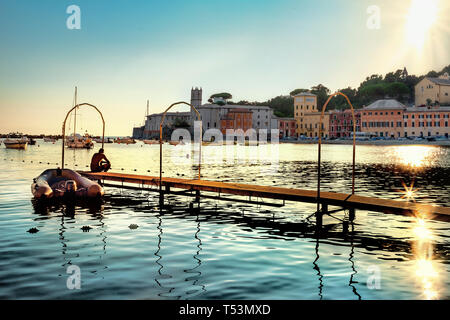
(151, 141)
(20, 143)
(78, 142)
(175, 143)
(52, 140)
(211, 143)
(31, 141)
(125, 140)
(107, 140)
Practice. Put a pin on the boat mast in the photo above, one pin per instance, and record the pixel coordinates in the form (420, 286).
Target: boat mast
(75, 118)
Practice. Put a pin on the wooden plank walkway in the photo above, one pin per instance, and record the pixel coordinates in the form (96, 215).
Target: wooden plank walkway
(268, 192)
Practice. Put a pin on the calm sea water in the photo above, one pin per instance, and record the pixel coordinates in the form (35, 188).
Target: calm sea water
(227, 250)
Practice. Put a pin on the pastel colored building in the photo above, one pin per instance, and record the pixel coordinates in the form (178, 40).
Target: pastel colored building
(311, 122)
(288, 127)
(426, 121)
(341, 123)
(236, 119)
(153, 121)
(433, 91)
(305, 103)
(383, 118)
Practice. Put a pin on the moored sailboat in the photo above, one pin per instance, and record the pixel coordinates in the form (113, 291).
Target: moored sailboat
(16, 143)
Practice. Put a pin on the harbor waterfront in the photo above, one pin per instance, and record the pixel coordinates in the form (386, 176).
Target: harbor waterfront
(129, 247)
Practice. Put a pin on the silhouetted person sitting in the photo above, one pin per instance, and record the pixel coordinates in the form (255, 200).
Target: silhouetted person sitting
(99, 162)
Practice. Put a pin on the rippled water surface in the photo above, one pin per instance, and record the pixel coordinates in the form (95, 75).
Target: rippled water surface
(224, 249)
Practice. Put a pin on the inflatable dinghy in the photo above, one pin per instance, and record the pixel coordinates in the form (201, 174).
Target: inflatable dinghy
(57, 183)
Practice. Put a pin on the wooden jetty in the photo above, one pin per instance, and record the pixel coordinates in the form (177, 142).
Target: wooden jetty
(345, 201)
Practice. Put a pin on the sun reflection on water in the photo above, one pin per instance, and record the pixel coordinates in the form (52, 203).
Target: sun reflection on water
(414, 156)
(425, 270)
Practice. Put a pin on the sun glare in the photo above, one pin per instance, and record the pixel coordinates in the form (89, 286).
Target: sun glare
(421, 17)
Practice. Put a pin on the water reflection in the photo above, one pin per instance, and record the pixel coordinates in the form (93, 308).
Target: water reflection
(415, 156)
(266, 225)
(352, 282)
(161, 275)
(316, 268)
(425, 270)
(197, 274)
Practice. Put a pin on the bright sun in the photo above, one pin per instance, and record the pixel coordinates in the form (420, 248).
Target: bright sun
(421, 16)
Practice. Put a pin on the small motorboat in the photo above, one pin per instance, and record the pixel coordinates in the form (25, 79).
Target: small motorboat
(107, 140)
(211, 143)
(64, 183)
(125, 140)
(176, 143)
(151, 141)
(31, 141)
(52, 140)
(20, 143)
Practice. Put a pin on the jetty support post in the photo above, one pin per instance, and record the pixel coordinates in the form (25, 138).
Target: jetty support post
(197, 196)
(319, 219)
(351, 214)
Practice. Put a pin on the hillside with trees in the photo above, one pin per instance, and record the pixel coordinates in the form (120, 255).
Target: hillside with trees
(397, 85)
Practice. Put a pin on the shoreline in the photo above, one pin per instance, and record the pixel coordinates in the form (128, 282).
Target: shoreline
(442, 143)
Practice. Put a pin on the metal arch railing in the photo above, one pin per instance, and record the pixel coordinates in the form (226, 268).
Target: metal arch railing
(64, 127)
(161, 142)
(320, 144)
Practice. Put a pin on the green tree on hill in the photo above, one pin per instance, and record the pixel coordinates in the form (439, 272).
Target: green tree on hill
(224, 95)
(297, 91)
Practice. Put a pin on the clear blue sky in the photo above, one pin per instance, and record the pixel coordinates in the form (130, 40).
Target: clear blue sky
(129, 51)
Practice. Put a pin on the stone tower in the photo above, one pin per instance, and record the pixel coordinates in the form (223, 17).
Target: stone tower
(196, 97)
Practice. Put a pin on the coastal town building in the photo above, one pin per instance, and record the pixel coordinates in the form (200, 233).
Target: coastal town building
(341, 123)
(235, 119)
(138, 132)
(426, 121)
(303, 102)
(433, 91)
(392, 119)
(307, 116)
(287, 127)
(383, 118)
(153, 121)
(220, 116)
(214, 115)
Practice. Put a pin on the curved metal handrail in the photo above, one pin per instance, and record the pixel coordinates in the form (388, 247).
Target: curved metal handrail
(64, 127)
(320, 144)
(160, 141)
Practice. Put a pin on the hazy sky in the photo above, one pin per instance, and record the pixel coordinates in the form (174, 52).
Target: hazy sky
(129, 51)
